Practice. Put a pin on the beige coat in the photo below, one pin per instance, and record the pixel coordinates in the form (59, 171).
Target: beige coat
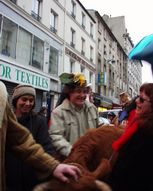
(21, 142)
(65, 126)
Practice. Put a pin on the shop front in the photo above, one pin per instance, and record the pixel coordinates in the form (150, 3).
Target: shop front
(102, 102)
(12, 75)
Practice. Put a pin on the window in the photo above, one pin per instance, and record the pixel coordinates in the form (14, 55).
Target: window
(73, 37)
(91, 30)
(83, 20)
(53, 21)
(72, 66)
(99, 44)
(82, 46)
(0, 23)
(73, 13)
(36, 9)
(90, 77)
(38, 53)
(99, 27)
(24, 44)
(53, 61)
(91, 53)
(82, 69)
(8, 38)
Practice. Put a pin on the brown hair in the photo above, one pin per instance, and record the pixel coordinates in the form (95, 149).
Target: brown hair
(146, 120)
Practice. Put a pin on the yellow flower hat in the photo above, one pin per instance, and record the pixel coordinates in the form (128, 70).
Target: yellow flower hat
(77, 79)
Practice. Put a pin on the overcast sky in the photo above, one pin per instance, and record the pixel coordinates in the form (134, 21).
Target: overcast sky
(138, 20)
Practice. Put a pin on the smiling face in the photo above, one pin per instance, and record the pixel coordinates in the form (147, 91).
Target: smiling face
(24, 105)
(143, 104)
(78, 96)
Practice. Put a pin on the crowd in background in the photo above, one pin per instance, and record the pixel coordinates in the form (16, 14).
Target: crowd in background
(74, 114)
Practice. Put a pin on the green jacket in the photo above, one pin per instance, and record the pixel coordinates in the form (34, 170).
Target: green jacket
(65, 127)
(21, 142)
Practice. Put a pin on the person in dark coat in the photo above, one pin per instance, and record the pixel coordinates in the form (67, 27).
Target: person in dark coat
(19, 176)
(133, 170)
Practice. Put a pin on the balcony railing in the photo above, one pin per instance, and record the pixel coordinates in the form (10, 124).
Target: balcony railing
(14, 1)
(83, 26)
(53, 29)
(91, 59)
(82, 52)
(73, 15)
(35, 16)
(72, 44)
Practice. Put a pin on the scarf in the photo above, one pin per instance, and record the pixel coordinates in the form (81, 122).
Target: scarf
(129, 132)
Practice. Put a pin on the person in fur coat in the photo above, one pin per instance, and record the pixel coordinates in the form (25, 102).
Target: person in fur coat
(20, 140)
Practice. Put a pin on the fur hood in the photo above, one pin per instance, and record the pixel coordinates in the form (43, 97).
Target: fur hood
(3, 99)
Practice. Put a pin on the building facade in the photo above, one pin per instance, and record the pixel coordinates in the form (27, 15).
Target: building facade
(39, 40)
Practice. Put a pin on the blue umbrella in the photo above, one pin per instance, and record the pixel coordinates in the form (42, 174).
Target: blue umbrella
(143, 50)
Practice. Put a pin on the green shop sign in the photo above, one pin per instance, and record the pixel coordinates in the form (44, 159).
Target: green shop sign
(18, 75)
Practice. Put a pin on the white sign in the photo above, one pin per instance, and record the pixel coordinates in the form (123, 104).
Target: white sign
(19, 75)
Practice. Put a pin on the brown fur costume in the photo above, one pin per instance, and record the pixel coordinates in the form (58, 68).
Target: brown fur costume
(90, 153)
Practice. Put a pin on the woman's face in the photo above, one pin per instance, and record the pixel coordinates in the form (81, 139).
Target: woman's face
(78, 97)
(143, 104)
(24, 104)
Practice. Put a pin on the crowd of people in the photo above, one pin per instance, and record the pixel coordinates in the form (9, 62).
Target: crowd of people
(33, 152)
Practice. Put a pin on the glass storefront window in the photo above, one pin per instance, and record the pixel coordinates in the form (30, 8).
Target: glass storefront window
(8, 38)
(38, 53)
(53, 61)
(24, 42)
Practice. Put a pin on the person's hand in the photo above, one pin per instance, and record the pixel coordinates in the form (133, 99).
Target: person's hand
(62, 171)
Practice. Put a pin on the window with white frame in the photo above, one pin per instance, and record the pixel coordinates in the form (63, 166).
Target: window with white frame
(36, 5)
(73, 38)
(24, 44)
(73, 11)
(72, 66)
(91, 30)
(53, 21)
(82, 46)
(38, 53)
(53, 61)
(91, 53)
(83, 20)
(8, 38)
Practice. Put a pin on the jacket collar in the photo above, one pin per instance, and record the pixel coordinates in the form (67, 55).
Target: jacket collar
(67, 106)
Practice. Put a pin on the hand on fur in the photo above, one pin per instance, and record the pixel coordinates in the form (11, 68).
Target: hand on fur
(62, 171)
(86, 181)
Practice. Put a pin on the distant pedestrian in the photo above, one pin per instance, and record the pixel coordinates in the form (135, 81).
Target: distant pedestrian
(89, 96)
(111, 117)
(43, 111)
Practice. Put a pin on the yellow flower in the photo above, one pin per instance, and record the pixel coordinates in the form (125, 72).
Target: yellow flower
(80, 79)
